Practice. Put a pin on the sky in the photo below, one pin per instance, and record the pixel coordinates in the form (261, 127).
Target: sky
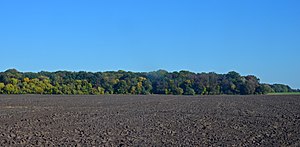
(252, 37)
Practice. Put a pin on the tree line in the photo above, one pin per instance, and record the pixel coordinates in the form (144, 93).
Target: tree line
(125, 82)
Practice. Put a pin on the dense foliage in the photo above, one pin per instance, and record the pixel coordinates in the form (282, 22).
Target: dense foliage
(122, 82)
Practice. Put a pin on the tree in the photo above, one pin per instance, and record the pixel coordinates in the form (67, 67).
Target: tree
(122, 82)
(264, 89)
(189, 91)
(178, 91)
(101, 90)
(121, 87)
(186, 86)
(2, 86)
(147, 87)
(281, 88)
(10, 89)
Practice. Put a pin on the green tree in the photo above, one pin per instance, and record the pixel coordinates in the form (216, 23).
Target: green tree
(178, 91)
(189, 91)
(264, 89)
(187, 87)
(249, 86)
(122, 82)
(281, 88)
(101, 90)
(10, 89)
(121, 87)
(2, 86)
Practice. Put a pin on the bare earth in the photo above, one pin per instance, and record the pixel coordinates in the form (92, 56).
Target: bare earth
(126, 120)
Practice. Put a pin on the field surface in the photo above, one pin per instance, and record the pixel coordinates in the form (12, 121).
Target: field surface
(125, 120)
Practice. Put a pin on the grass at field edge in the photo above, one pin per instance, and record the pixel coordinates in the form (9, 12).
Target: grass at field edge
(285, 93)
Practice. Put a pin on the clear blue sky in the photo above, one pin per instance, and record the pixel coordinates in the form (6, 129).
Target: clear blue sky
(260, 37)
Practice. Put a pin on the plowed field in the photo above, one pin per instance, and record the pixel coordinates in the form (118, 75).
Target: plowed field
(153, 120)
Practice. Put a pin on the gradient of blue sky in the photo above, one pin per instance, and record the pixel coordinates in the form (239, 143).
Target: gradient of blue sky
(260, 37)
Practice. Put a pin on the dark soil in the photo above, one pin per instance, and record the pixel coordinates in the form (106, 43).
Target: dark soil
(118, 120)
